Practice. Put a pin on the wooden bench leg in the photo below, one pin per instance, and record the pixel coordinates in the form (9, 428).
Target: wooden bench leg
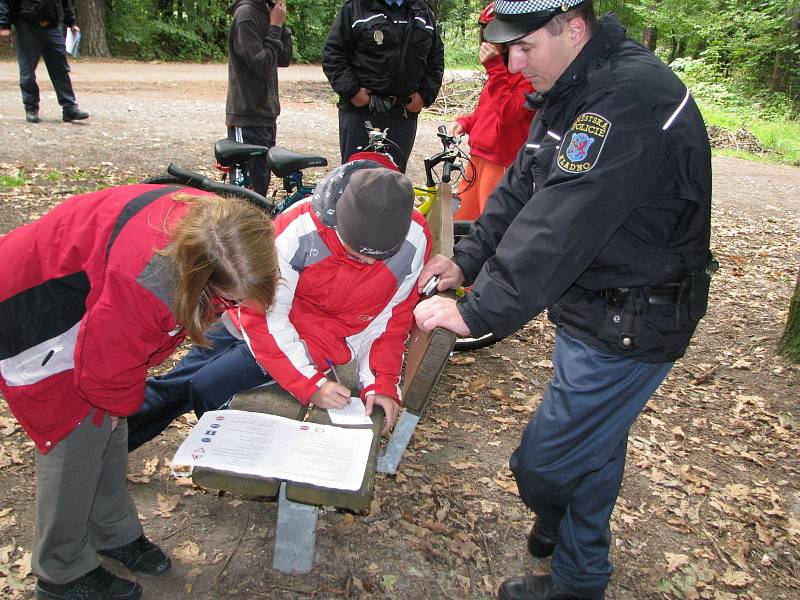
(396, 446)
(295, 535)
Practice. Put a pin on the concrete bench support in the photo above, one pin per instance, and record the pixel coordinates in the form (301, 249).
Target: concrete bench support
(397, 444)
(295, 535)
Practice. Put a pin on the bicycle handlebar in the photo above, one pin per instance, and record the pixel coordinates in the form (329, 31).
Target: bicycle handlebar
(202, 182)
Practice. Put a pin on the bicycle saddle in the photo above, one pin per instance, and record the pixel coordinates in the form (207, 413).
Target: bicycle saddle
(229, 153)
(284, 162)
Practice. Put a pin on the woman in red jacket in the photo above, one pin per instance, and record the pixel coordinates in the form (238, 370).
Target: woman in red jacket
(497, 127)
(92, 294)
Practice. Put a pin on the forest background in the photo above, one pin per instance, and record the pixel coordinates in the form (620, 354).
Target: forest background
(741, 58)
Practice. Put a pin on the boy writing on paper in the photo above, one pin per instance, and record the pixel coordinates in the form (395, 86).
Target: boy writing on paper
(349, 259)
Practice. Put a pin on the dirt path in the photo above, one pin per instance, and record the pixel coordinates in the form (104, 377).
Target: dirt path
(711, 502)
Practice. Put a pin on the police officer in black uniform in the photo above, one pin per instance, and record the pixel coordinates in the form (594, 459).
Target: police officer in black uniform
(385, 59)
(604, 218)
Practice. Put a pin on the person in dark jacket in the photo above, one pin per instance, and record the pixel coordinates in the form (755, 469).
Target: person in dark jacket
(258, 43)
(39, 26)
(604, 218)
(385, 60)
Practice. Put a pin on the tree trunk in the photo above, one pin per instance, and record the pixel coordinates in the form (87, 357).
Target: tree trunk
(650, 38)
(91, 16)
(789, 346)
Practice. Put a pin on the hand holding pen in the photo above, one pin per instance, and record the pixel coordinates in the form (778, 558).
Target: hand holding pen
(332, 394)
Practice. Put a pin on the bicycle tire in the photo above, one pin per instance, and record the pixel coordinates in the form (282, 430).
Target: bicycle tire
(468, 343)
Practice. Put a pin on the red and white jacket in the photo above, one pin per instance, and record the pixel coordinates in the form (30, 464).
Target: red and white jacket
(85, 308)
(329, 305)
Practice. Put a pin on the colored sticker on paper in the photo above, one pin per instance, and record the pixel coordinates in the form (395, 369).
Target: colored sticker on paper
(582, 143)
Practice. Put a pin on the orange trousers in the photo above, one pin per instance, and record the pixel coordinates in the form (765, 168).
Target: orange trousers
(474, 189)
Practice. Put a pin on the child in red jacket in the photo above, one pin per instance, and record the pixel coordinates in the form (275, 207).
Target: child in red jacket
(497, 127)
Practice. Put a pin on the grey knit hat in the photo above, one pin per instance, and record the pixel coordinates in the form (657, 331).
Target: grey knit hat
(373, 213)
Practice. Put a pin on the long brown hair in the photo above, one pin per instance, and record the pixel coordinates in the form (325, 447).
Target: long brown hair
(220, 244)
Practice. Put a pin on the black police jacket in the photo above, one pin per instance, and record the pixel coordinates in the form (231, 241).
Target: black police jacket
(387, 49)
(36, 11)
(612, 190)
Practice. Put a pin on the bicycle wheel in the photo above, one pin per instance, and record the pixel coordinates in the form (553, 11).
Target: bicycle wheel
(469, 343)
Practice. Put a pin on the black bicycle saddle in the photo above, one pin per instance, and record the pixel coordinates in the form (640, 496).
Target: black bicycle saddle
(229, 153)
(284, 162)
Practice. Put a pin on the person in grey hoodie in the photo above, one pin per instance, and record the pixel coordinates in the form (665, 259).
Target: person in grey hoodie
(258, 43)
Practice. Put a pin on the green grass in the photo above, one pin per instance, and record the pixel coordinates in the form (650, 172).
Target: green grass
(13, 181)
(781, 138)
(54, 176)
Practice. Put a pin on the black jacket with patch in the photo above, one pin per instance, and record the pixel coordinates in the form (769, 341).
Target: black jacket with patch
(388, 49)
(255, 51)
(36, 11)
(612, 190)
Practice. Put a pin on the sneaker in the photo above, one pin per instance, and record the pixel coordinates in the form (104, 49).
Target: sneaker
(32, 115)
(542, 539)
(74, 114)
(95, 585)
(141, 556)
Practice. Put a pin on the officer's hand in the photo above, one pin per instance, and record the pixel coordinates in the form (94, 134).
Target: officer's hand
(361, 98)
(75, 29)
(5, 32)
(390, 409)
(416, 104)
(456, 129)
(277, 16)
(440, 312)
(488, 51)
(331, 395)
(450, 276)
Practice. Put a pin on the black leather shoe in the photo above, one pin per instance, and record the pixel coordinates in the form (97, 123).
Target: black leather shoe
(32, 116)
(74, 114)
(533, 587)
(542, 539)
(95, 585)
(140, 556)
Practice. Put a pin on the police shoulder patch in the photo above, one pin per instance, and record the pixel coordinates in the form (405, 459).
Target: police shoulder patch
(582, 144)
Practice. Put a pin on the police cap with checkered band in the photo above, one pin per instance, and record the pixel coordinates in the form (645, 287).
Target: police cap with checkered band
(514, 19)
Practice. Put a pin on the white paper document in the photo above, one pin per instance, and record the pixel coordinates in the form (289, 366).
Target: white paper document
(264, 445)
(72, 42)
(350, 414)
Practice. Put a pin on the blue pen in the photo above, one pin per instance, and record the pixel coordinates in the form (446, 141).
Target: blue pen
(335, 374)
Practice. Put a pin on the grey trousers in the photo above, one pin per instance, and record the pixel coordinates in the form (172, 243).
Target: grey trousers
(82, 501)
(33, 42)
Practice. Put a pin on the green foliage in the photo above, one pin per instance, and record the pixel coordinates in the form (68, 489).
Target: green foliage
(165, 30)
(13, 181)
(310, 21)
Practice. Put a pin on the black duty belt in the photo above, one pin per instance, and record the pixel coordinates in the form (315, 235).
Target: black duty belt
(669, 293)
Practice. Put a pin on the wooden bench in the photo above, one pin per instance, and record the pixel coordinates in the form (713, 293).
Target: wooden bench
(298, 503)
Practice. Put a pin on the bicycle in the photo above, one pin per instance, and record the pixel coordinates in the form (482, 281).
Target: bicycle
(231, 159)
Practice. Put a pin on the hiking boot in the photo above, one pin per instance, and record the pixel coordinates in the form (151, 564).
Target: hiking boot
(32, 115)
(542, 539)
(140, 556)
(95, 585)
(74, 114)
(534, 587)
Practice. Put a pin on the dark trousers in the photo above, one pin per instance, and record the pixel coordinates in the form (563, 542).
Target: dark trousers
(571, 459)
(402, 131)
(34, 42)
(257, 167)
(204, 379)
